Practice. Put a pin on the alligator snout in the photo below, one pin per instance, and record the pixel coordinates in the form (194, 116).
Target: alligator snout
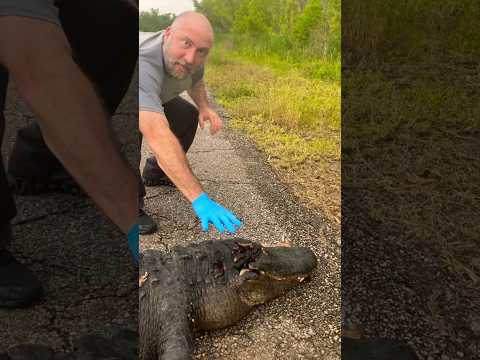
(285, 261)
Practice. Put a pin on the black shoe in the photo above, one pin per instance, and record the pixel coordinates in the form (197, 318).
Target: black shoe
(146, 224)
(18, 286)
(154, 176)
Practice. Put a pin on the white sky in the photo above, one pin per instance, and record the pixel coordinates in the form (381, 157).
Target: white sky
(167, 6)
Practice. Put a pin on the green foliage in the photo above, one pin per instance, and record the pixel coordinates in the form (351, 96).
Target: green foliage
(220, 13)
(252, 18)
(152, 21)
(289, 28)
(310, 19)
(412, 27)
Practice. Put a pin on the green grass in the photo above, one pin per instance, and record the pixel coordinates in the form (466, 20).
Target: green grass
(281, 62)
(291, 110)
(415, 137)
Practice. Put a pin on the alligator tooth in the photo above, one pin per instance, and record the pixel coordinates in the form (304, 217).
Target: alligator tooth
(142, 279)
(243, 271)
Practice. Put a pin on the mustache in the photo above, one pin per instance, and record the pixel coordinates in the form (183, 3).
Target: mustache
(185, 65)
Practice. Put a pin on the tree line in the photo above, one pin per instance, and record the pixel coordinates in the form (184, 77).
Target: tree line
(311, 27)
(153, 21)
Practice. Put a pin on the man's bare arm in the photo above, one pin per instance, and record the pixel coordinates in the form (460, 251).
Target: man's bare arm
(169, 153)
(73, 122)
(199, 94)
(206, 114)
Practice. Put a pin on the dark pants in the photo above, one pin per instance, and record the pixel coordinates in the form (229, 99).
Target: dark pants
(7, 205)
(104, 39)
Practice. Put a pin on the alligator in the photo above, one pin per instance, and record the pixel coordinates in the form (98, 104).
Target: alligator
(205, 286)
(210, 285)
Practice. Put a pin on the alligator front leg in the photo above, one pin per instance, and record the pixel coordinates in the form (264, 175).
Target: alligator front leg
(165, 327)
(176, 338)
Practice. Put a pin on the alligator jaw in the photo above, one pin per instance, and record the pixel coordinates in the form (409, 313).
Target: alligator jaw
(272, 271)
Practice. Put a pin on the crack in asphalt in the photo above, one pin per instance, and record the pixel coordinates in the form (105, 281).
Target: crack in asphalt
(44, 216)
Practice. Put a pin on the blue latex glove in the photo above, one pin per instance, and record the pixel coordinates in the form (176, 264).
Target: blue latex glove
(133, 242)
(208, 211)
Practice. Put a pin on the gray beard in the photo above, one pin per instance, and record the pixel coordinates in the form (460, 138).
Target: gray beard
(169, 68)
(170, 71)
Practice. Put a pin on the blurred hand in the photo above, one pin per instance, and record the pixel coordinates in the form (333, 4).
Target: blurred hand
(208, 114)
(133, 242)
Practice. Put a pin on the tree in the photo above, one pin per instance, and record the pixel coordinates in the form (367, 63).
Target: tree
(152, 21)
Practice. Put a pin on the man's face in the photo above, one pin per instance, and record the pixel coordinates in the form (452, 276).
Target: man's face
(185, 51)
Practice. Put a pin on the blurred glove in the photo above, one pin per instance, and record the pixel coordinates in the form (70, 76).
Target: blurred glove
(133, 242)
(208, 211)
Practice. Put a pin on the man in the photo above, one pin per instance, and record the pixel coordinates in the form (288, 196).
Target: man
(171, 62)
(103, 40)
(42, 57)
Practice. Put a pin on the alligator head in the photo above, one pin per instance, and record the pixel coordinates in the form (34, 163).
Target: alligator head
(266, 272)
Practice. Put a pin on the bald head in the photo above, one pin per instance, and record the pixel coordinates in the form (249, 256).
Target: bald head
(187, 43)
(194, 21)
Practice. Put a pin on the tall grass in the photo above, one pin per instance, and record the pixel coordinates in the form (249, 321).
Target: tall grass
(410, 28)
(281, 57)
(292, 116)
(411, 155)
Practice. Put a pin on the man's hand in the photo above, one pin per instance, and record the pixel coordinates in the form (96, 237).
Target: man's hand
(211, 116)
(208, 211)
(133, 237)
(205, 113)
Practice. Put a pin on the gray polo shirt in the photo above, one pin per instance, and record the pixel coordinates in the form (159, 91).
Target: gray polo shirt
(156, 87)
(36, 9)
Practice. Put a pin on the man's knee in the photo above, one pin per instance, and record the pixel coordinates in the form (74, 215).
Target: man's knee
(193, 115)
(181, 114)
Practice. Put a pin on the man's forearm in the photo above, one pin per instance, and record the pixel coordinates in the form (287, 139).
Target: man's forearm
(199, 94)
(169, 153)
(76, 129)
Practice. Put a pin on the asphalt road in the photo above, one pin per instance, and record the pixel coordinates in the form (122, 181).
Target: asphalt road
(81, 258)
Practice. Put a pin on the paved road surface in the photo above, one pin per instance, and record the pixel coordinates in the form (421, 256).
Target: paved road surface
(78, 254)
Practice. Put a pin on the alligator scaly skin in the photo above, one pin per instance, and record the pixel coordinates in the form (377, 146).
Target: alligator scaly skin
(193, 287)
